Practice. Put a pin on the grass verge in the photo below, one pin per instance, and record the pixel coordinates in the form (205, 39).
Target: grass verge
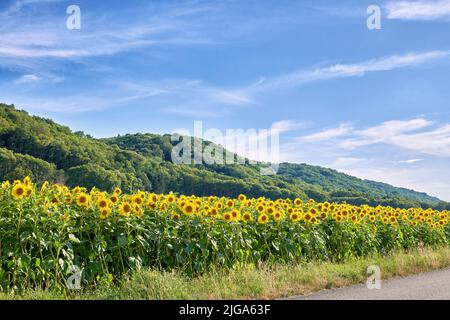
(266, 282)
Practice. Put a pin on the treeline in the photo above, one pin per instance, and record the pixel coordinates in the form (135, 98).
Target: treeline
(44, 150)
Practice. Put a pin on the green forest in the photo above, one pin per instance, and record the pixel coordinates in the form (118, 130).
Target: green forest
(44, 150)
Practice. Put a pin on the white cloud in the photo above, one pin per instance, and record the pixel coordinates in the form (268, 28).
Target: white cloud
(419, 135)
(27, 78)
(410, 161)
(287, 125)
(31, 37)
(385, 132)
(418, 10)
(327, 134)
(348, 70)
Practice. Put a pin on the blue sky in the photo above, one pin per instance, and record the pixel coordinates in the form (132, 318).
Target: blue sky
(371, 103)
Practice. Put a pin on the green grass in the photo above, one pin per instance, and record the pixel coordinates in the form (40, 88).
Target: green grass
(264, 282)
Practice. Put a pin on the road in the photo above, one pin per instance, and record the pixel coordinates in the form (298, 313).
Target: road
(432, 285)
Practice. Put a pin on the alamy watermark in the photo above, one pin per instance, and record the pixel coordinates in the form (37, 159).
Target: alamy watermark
(73, 21)
(374, 278)
(74, 280)
(374, 20)
(232, 147)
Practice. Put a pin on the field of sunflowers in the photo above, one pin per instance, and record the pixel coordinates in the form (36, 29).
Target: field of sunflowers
(46, 230)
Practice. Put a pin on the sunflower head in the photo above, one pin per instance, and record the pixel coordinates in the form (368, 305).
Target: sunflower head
(18, 191)
(125, 209)
(242, 197)
(104, 213)
(189, 208)
(263, 218)
(278, 216)
(83, 200)
(236, 215)
(294, 216)
(228, 217)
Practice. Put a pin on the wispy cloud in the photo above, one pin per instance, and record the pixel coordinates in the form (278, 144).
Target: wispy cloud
(418, 135)
(410, 161)
(27, 78)
(18, 5)
(349, 70)
(327, 134)
(288, 125)
(28, 37)
(418, 10)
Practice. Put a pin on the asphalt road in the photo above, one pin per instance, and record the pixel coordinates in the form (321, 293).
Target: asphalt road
(432, 285)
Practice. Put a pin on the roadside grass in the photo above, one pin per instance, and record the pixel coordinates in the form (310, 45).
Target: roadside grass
(264, 282)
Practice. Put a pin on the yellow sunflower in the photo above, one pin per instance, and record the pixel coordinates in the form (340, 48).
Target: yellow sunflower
(263, 218)
(125, 209)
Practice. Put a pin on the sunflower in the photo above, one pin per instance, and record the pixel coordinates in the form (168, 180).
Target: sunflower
(137, 199)
(104, 213)
(114, 199)
(163, 206)
(213, 212)
(76, 190)
(83, 200)
(263, 218)
(298, 202)
(270, 210)
(125, 209)
(170, 198)
(153, 197)
(44, 186)
(55, 200)
(294, 216)
(18, 191)
(137, 211)
(175, 216)
(277, 215)
(117, 191)
(247, 216)
(260, 208)
(151, 205)
(228, 217)
(230, 203)
(188, 208)
(28, 191)
(27, 181)
(102, 203)
(68, 198)
(236, 215)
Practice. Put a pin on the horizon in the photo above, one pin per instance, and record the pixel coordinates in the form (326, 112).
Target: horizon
(368, 103)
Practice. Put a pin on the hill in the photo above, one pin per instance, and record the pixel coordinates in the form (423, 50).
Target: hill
(45, 150)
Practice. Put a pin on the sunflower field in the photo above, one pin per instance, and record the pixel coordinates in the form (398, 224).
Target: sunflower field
(46, 230)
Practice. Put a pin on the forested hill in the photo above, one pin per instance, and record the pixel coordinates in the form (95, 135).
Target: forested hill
(44, 150)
